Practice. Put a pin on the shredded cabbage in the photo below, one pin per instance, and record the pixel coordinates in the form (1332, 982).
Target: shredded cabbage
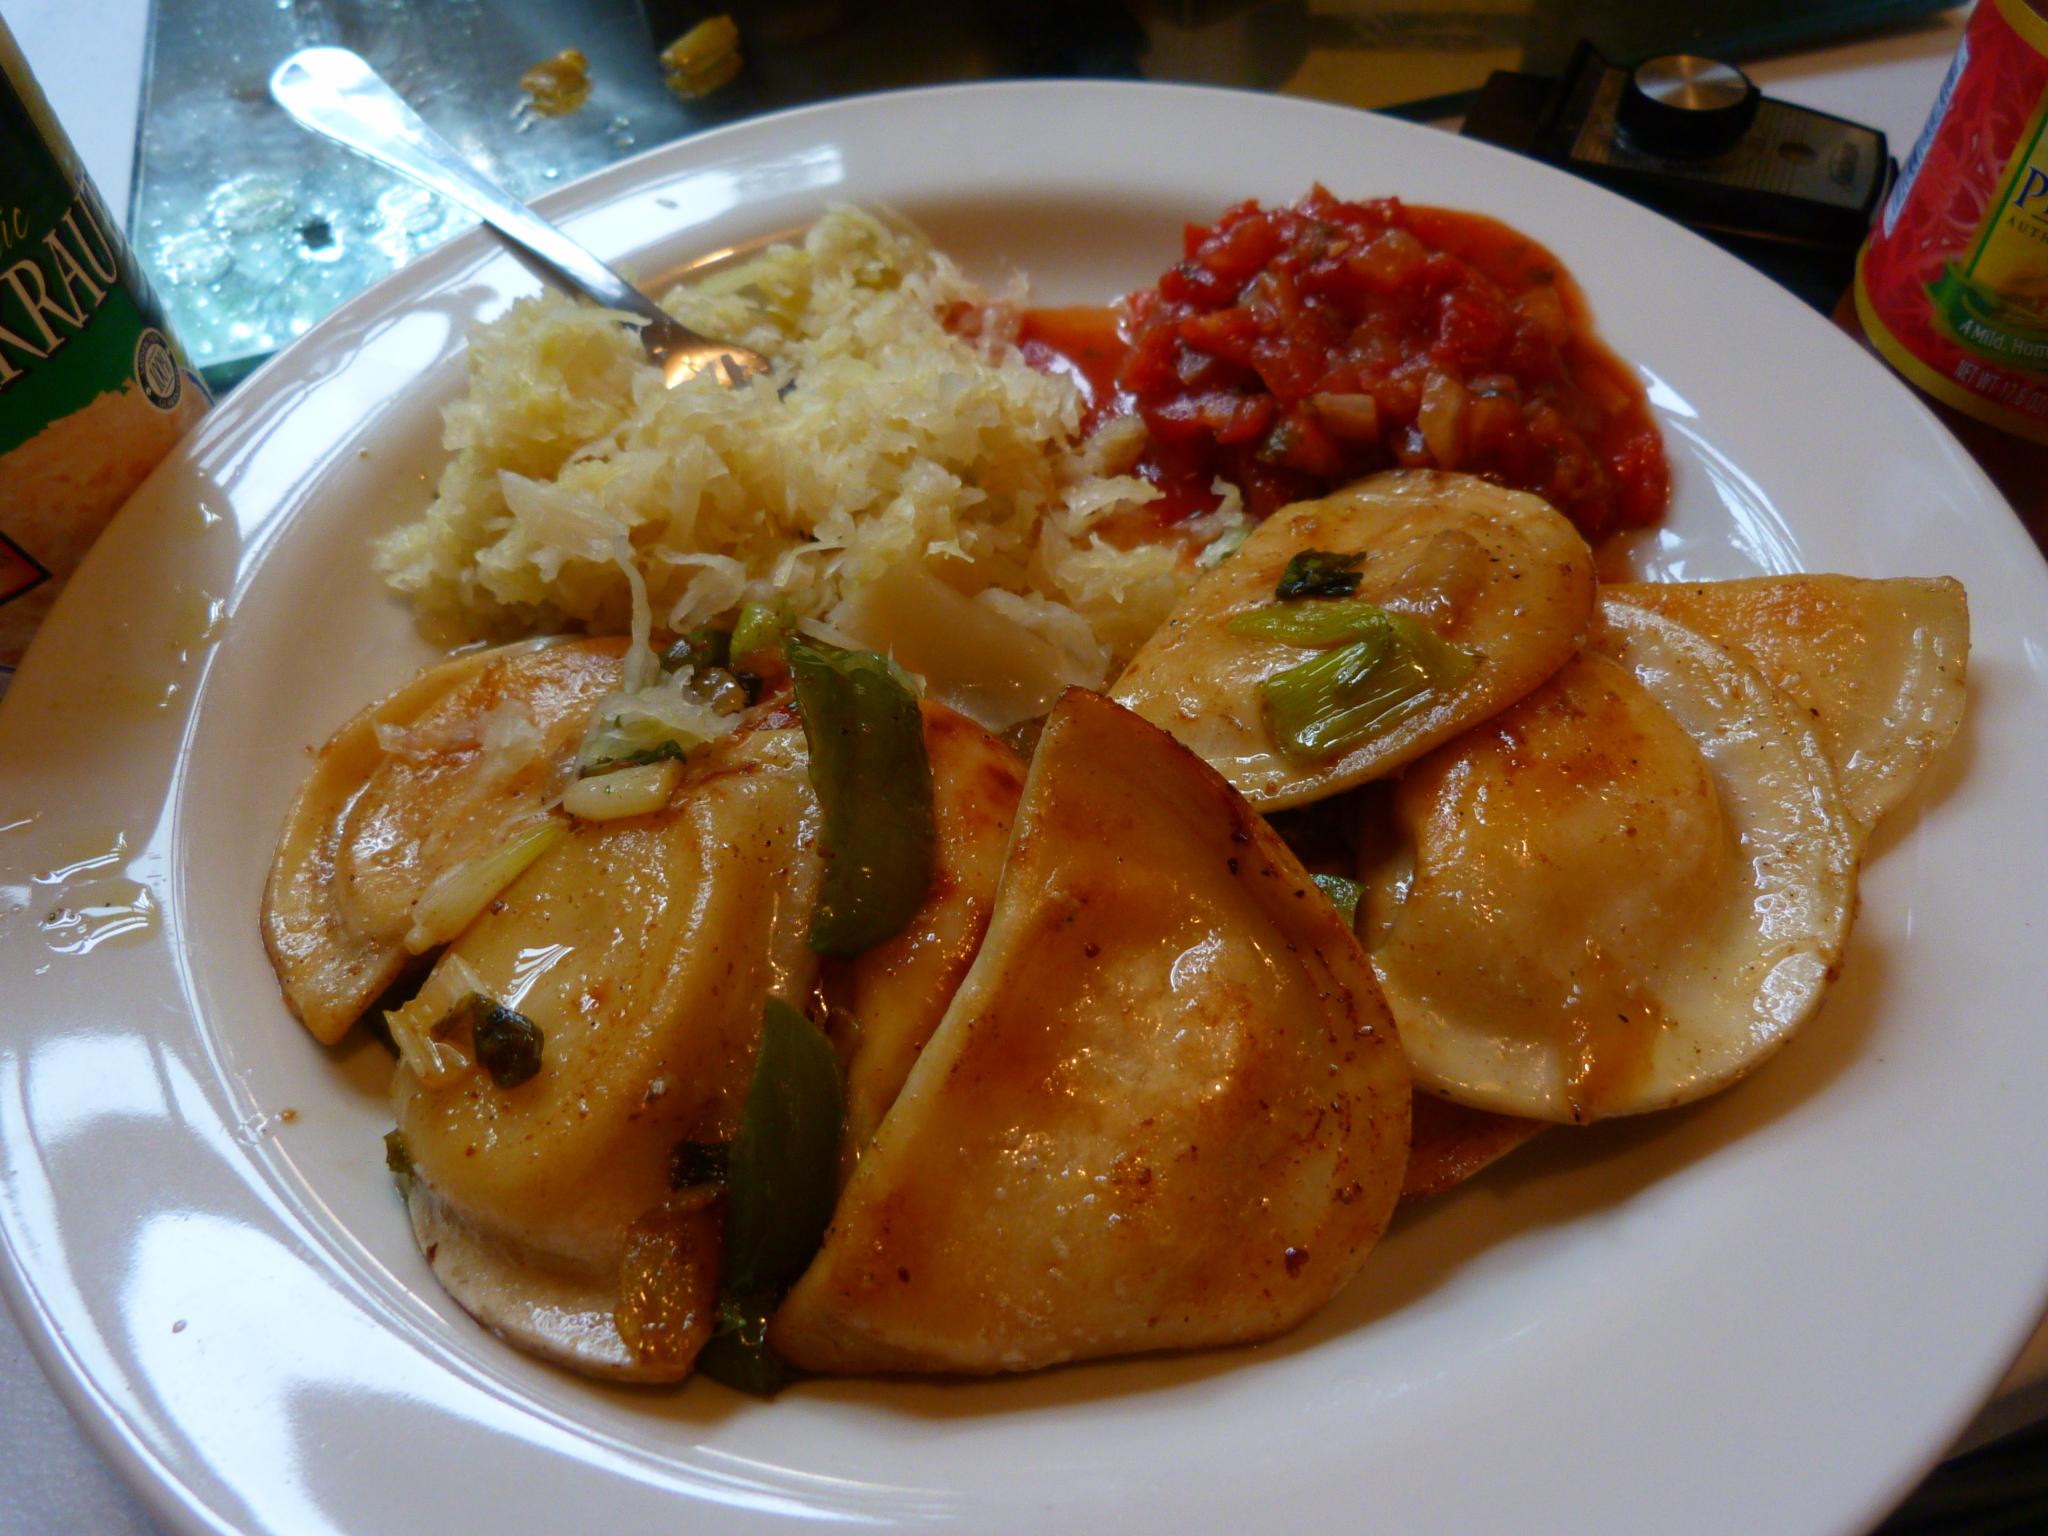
(884, 438)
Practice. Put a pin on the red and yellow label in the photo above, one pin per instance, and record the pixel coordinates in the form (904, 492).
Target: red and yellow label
(1952, 286)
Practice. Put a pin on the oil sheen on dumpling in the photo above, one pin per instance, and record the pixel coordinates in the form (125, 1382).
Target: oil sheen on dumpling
(1497, 571)
(1621, 893)
(1878, 665)
(447, 768)
(1166, 1108)
(644, 949)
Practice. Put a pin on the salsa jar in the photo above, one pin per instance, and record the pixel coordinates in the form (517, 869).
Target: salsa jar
(1952, 285)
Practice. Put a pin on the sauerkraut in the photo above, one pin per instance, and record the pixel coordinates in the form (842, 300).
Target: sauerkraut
(901, 426)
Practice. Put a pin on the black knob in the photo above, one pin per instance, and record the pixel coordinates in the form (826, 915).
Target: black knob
(1681, 104)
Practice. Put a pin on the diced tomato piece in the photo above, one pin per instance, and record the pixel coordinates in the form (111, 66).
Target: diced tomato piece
(1227, 333)
(1236, 253)
(1473, 325)
(1219, 414)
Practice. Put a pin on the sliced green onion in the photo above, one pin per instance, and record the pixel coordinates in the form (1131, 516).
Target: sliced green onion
(784, 1168)
(1319, 573)
(668, 751)
(760, 626)
(1336, 622)
(738, 1353)
(874, 785)
(700, 648)
(457, 895)
(398, 1160)
(434, 1059)
(1344, 697)
(638, 790)
(782, 1181)
(1340, 698)
(633, 729)
(436, 1063)
(1223, 546)
(1343, 894)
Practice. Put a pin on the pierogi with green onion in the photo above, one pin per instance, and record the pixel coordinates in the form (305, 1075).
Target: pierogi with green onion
(1493, 581)
(767, 1016)
(462, 758)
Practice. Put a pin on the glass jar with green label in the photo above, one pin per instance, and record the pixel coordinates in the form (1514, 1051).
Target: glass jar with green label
(93, 391)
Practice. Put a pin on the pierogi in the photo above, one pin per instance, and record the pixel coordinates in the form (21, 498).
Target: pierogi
(1118, 1076)
(1497, 572)
(1877, 665)
(1165, 1108)
(408, 790)
(1619, 894)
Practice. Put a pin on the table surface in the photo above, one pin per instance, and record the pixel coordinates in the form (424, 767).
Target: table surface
(89, 56)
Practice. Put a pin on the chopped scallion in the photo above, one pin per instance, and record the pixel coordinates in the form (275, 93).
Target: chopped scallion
(639, 789)
(452, 902)
(398, 1160)
(738, 1354)
(670, 751)
(1319, 573)
(761, 626)
(434, 1059)
(1340, 698)
(1336, 622)
(1223, 546)
(1343, 894)
(629, 738)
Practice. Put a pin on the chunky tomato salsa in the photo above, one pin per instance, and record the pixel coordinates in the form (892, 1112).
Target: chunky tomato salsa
(1298, 348)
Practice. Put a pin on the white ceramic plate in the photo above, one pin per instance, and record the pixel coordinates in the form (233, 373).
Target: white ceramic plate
(1766, 1313)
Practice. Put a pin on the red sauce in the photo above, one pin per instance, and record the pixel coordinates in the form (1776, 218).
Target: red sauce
(1087, 345)
(1295, 349)
(1084, 344)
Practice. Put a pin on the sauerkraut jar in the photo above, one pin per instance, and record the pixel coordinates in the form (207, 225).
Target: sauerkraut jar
(93, 391)
(1952, 285)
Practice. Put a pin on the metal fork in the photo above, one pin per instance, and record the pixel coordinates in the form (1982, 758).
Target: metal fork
(335, 93)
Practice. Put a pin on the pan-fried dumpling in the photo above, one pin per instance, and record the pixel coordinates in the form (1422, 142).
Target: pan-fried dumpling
(446, 769)
(644, 950)
(1618, 895)
(1877, 665)
(1498, 573)
(1165, 1110)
